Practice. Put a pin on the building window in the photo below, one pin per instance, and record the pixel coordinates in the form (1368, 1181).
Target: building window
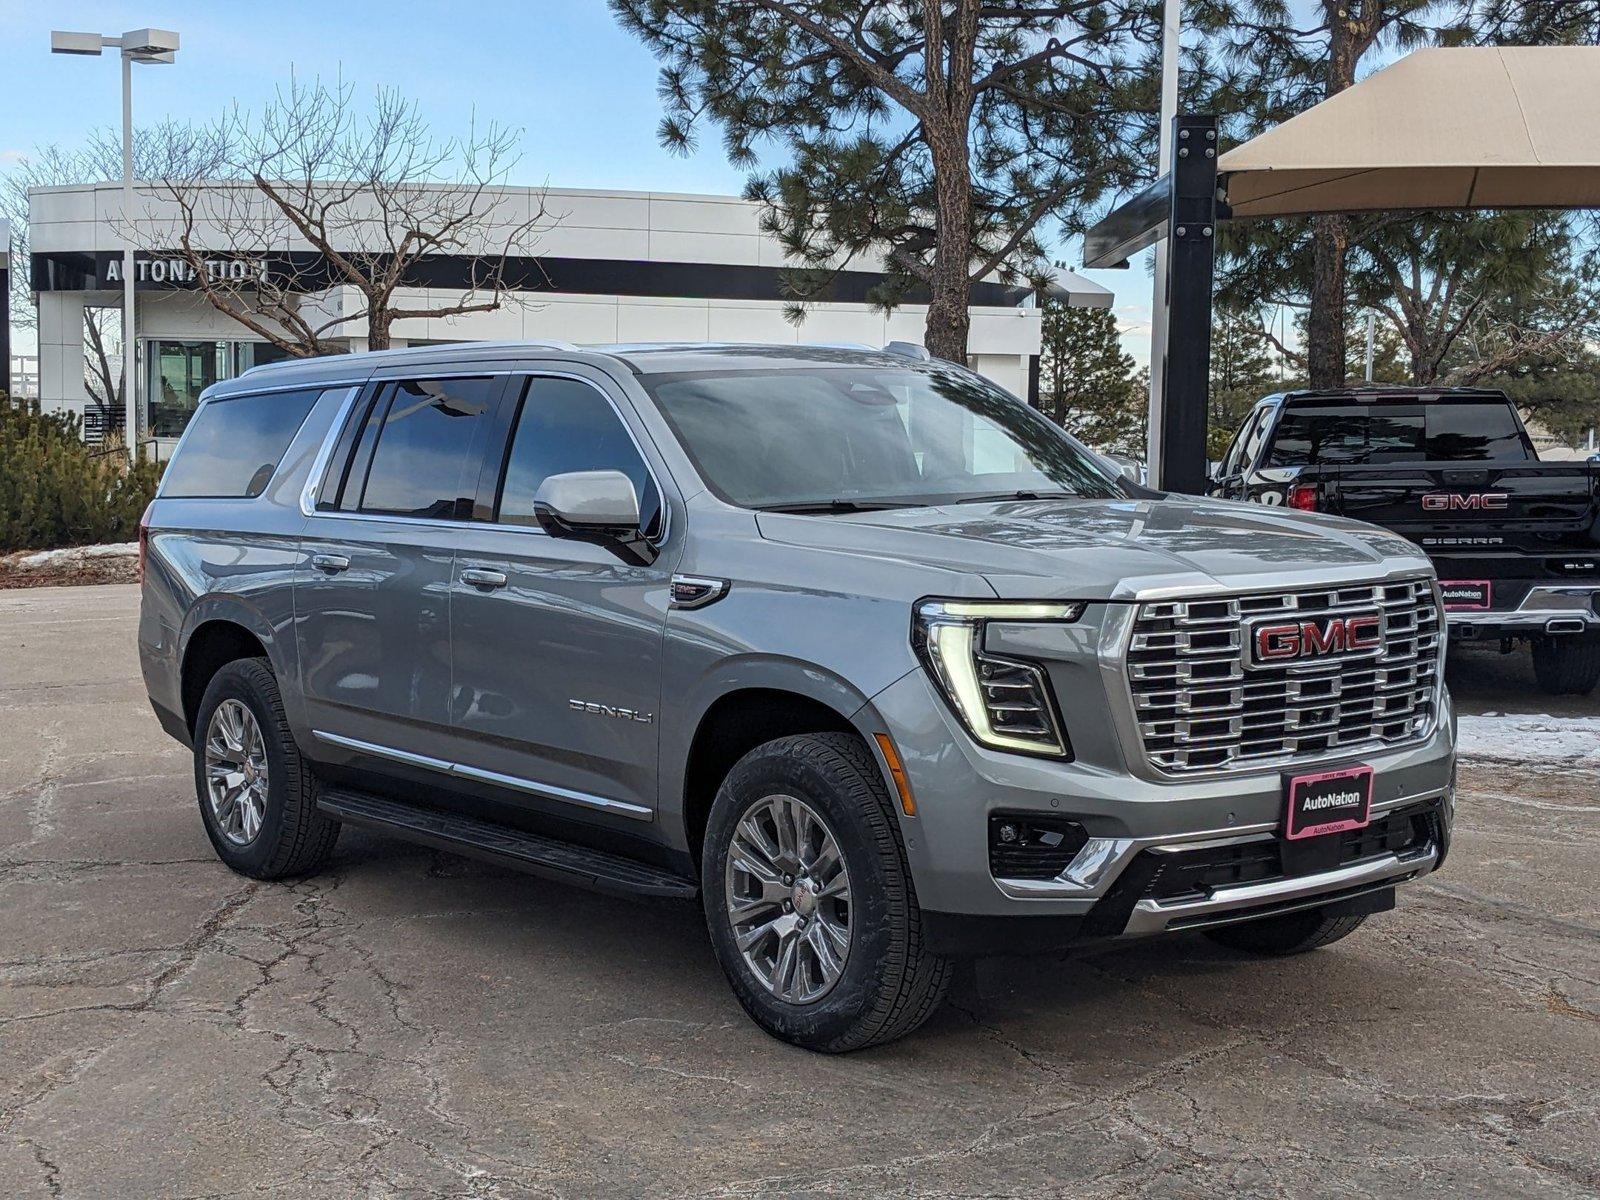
(178, 371)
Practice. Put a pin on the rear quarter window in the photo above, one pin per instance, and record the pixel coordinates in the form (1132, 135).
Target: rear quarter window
(233, 446)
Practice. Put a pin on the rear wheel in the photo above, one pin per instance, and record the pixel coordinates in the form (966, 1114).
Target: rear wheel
(1291, 933)
(1567, 666)
(258, 798)
(809, 899)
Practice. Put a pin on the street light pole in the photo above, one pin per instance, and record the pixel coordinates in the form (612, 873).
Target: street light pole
(130, 354)
(142, 46)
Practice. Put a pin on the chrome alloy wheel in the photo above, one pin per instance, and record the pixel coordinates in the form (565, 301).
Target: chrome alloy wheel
(788, 899)
(236, 772)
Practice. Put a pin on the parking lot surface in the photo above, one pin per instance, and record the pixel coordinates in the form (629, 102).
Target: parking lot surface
(415, 1024)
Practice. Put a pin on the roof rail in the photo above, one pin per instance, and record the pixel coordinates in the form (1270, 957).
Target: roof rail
(417, 351)
(908, 350)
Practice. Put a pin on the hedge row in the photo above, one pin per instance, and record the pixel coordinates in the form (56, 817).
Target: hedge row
(56, 491)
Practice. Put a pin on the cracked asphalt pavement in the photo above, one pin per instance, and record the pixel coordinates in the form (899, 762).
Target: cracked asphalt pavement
(414, 1024)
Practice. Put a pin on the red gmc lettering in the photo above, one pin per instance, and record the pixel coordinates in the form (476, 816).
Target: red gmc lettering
(1443, 501)
(1313, 639)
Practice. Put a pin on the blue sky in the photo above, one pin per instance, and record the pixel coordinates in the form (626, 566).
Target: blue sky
(582, 91)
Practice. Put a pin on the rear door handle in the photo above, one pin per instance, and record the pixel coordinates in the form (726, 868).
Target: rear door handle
(483, 579)
(331, 563)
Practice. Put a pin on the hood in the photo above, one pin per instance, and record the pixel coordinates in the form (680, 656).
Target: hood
(1113, 549)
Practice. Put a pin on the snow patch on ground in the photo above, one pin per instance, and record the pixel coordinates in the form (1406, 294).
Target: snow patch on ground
(69, 556)
(1533, 740)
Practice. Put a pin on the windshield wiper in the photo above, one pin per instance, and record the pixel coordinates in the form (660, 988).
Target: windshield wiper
(836, 506)
(1021, 494)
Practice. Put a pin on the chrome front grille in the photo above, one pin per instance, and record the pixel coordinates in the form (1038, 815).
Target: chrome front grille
(1202, 706)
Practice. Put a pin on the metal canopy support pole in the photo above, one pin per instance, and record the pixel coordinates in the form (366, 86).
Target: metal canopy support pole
(1192, 251)
(1170, 32)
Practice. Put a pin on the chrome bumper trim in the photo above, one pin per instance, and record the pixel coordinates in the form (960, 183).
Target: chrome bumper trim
(1560, 603)
(1155, 916)
(1096, 866)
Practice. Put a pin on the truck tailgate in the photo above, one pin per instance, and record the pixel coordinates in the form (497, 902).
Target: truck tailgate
(1532, 506)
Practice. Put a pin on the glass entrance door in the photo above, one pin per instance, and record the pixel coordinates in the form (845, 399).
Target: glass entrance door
(179, 372)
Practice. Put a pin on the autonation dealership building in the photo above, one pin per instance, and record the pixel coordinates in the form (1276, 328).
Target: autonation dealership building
(606, 267)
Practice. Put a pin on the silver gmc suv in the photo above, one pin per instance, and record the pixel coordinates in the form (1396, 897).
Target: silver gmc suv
(856, 647)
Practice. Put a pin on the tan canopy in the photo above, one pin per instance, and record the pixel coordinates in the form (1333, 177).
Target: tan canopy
(1473, 127)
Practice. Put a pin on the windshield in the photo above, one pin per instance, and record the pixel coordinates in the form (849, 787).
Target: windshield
(859, 437)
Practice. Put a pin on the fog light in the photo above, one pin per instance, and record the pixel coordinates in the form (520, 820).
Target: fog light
(1028, 847)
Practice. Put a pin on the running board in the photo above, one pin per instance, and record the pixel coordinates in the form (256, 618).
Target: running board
(502, 844)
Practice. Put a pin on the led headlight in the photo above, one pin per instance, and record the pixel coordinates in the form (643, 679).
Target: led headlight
(1004, 703)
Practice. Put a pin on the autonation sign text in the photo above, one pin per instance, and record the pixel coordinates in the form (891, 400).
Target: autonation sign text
(181, 271)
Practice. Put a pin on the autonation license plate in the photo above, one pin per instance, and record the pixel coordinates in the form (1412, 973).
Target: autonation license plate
(1462, 594)
(1329, 802)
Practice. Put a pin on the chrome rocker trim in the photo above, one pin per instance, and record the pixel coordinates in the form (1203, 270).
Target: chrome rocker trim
(547, 791)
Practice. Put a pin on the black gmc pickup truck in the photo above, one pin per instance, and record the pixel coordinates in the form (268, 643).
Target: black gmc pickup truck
(1516, 541)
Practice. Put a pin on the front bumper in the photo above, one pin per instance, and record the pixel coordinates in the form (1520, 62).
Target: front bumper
(1553, 609)
(1137, 828)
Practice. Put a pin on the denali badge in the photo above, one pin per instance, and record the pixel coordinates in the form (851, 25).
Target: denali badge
(1446, 501)
(595, 709)
(1282, 642)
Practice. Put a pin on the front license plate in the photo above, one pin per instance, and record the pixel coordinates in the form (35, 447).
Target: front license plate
(1329, 802)
(1459, 594)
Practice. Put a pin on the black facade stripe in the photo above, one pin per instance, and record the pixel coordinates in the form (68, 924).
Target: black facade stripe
(86, 271)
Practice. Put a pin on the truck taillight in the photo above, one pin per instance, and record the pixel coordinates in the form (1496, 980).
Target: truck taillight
(144, 537)
(1303, 496)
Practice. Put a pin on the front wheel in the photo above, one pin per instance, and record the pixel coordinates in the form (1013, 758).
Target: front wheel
(809, 899)
(1567, 666)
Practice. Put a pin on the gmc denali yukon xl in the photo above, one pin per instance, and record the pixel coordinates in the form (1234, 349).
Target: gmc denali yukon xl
(858, 648)
(1516, 541)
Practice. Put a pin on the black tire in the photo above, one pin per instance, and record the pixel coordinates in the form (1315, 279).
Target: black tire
(890, 984)
(1567, 666)
(294, 837)
(1291, 933)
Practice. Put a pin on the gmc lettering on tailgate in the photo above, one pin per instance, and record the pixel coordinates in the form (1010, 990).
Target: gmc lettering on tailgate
(1450, 501)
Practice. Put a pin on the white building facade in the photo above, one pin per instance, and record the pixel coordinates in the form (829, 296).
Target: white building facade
(604, 266)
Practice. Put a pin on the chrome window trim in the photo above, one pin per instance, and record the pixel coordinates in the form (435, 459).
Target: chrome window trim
(548, 791)
(319, 467)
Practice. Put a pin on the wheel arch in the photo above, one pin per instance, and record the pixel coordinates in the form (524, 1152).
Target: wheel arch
(216, 634)
(733, 724)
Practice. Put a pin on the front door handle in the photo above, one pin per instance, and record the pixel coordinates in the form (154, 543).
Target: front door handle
(479, 578)
(331, 563)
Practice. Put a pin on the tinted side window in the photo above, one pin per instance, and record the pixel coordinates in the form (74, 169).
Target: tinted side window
(233, 446)
(1474, 432)
(567, 425)
(1342, 434)
(424, 443)
(1254, 439)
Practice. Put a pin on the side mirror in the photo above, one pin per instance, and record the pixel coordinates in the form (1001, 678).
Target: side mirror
(593, 506)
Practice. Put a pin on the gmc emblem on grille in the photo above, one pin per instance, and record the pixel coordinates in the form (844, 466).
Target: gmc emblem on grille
(1275, 642)
(1447, 501)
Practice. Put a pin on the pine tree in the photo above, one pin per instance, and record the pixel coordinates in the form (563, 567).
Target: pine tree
(940, 140)
(1086, 381)
(1241, 373)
